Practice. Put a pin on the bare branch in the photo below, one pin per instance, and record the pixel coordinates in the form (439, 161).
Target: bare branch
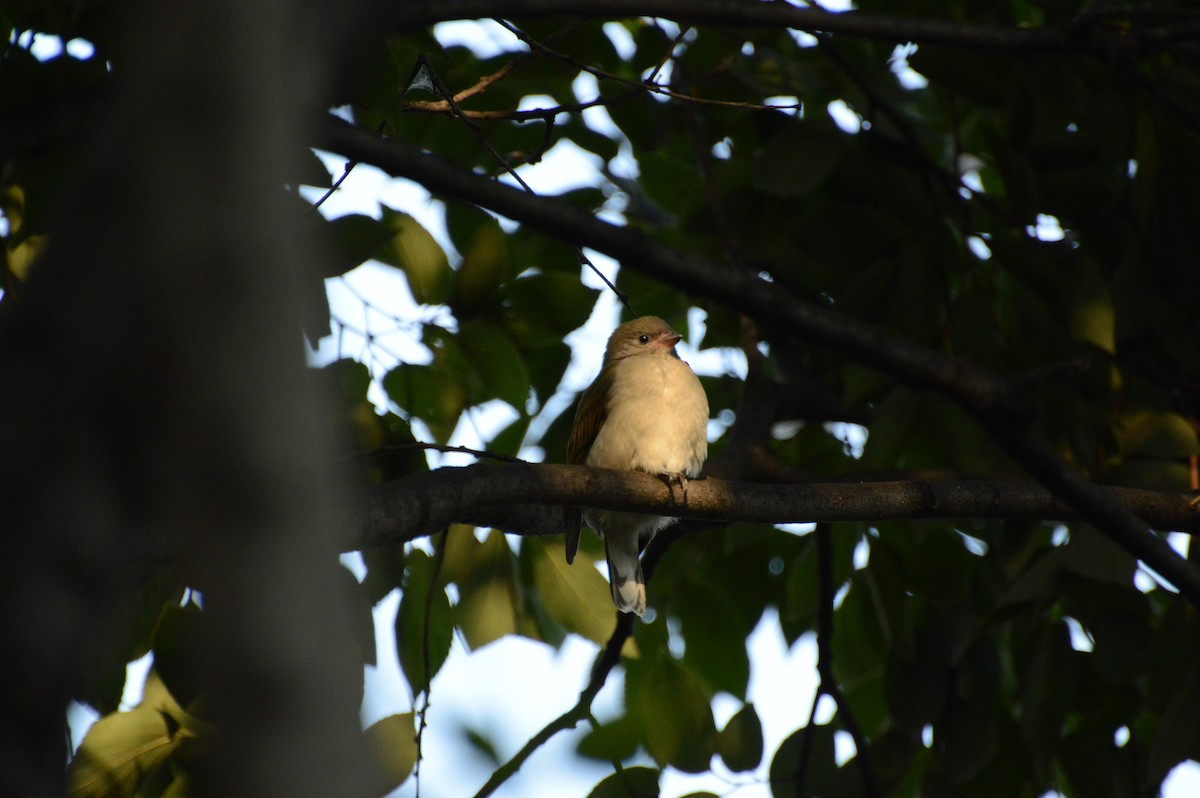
(828, 681)
(605, 662)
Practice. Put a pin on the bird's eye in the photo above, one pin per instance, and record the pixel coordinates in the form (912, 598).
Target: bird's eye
(643, 339)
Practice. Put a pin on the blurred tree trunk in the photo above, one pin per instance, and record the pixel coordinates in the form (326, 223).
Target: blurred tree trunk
(155, 402)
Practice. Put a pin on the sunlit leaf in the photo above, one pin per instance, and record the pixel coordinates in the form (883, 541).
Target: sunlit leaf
(488, 607)
(393, 741)
(126, 753)
(412, 249)
(576, 596)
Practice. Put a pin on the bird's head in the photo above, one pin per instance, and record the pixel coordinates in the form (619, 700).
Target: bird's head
(647, 335)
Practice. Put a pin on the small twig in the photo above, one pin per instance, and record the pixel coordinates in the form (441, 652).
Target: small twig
(421, 713)
(436, 447)
(484, 83)
(443, 92)
(651, 79)
(336, 184)
(646, 85)
(440, 88)
(605, 662)
(828, 682)
(346, 170)
(607, 659)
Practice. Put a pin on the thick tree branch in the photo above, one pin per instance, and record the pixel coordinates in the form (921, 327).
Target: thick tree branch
(1085, 35)
(527, 500)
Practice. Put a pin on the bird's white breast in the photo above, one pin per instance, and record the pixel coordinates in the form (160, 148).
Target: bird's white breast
(657, 418)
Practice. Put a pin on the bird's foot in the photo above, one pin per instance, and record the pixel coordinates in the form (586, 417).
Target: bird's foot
(677, 478)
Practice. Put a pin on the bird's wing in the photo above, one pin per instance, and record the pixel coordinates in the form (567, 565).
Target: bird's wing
(589, 418)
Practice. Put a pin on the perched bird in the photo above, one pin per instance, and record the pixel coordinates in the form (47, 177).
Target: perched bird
(646, 411)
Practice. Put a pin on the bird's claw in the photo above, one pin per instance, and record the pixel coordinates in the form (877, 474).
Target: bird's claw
(677, 478)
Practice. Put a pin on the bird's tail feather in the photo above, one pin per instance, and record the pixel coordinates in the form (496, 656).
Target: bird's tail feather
(625, 573)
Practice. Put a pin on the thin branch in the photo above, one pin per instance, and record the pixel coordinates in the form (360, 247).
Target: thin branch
(766, 302)
(607, 659)
(440, 88)
(481, 454)
(828, 681)
(1085, 36)
(482, 85)
(648, 85)
(346, 170)
(605, 662)
(439, 557)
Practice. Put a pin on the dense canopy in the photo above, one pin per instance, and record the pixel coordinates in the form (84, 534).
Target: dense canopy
(936, 263)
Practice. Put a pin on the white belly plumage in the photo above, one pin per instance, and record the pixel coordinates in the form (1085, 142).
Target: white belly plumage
(660, 427)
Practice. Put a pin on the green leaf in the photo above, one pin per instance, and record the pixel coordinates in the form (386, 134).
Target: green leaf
(486, 264)
(132, 626)
(715, 640)
(434, 394)
(965, 738)
(488, 607)
(1091, 554)
(916, 691)
(354, 238)
(358, 602)
(393, 740)
(575, 596)
(424, 629)
(385, 571)
(638, 782)
(1178, 734)
(611, 742)
(1156, 433)
(540, 309)
(1091, 318)
(496, 360)
(508, 441)
(804, 765)
(177, 656)
(798, 160)
(412, 249)
(740, 743)
(677, 721)
(128, 753)
(1046, 690)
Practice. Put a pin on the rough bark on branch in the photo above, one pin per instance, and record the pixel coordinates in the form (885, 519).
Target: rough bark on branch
(528, 500)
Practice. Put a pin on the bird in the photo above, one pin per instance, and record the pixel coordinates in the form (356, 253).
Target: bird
(645, 411)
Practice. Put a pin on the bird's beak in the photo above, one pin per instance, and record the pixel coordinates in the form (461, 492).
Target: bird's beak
(667, 341)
